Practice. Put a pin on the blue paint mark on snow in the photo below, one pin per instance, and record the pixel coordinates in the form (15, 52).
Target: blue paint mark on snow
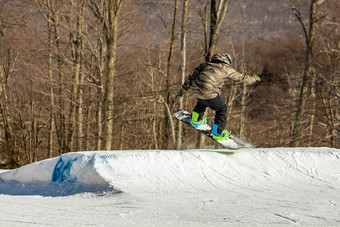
(103, 160)
(62, 170)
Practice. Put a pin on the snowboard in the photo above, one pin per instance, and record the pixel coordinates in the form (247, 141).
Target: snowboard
(231, 143)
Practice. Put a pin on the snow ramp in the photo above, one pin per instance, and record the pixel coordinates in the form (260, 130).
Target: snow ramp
(177, 171)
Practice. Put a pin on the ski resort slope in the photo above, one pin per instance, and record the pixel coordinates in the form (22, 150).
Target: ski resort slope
(250, 187)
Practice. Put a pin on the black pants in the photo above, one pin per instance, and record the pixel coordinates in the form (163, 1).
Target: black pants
(217, 104)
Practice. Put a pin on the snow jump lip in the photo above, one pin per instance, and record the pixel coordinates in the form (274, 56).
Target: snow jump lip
(173, 171)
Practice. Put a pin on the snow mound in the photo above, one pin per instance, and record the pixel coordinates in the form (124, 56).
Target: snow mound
(174, 171)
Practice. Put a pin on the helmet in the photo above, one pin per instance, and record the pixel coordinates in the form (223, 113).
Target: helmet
(224, 58)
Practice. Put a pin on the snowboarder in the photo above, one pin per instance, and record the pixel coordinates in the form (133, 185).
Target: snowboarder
(206, 82)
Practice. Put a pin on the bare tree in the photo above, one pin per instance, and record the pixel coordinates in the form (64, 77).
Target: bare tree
(51, 88)
(327, 74)
(183, 65)
(218, 12)
(99, 57)
(168, 76)
(10, 140)
(309, 34)
(61, 121)
(110, 32)
(75, 94)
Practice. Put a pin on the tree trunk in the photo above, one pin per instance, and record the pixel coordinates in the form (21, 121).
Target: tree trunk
(61, 114)
(80, 131)
(217, 17)
(243, 109)
(168, 77)
(308, 70)
(154, 108)
(51, 88)
(113, 9)
(100, 93)
(312, 116)
(76, 75)
(178, 139)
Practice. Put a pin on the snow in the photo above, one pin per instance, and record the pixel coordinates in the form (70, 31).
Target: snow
(250, 187)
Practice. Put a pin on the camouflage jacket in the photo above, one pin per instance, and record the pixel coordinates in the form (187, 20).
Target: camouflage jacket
(207, 79)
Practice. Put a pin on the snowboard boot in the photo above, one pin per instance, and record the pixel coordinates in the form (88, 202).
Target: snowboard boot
(199, 124)
(223, 136)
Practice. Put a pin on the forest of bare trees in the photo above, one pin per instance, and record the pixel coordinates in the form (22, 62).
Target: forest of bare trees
(79, 75)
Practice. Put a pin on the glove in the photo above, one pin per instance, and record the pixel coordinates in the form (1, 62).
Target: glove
(257, 78)
(179, 94)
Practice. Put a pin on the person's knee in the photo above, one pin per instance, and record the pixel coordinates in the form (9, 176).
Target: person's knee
(223, 110)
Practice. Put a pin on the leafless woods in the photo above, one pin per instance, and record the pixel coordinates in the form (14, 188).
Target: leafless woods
(78, 75)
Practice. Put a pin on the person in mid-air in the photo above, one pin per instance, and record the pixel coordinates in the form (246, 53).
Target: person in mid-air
(206, 82)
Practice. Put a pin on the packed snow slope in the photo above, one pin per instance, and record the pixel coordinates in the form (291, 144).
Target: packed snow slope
(250, 187)
(186, 170)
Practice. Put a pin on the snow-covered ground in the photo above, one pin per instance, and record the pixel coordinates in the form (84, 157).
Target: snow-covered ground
(252, 187)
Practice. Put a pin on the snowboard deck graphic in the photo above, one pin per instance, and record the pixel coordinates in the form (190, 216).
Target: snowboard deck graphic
(231, 143)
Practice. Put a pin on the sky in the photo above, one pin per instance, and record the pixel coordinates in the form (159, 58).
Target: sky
(244, 187)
